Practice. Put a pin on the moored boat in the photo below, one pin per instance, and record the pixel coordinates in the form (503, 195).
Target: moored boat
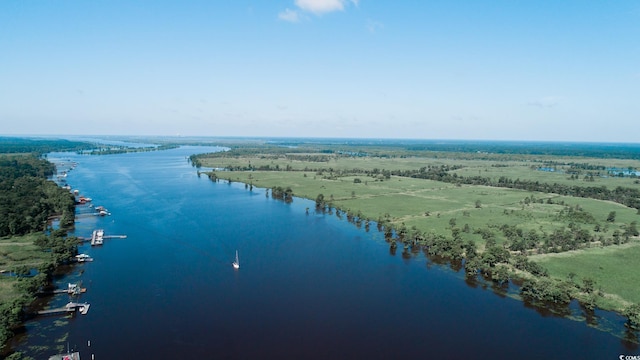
(83, 258)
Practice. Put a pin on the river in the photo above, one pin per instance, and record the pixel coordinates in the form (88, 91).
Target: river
(310, 286)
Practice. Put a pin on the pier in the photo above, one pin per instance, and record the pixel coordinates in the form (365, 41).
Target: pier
(82, 308)
(98, 236)
(114, 237)
(72, 289)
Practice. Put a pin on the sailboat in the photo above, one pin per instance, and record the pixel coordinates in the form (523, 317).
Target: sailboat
(236, 264)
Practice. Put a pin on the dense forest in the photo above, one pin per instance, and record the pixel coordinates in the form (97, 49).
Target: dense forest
(27, 198)
(15, 145)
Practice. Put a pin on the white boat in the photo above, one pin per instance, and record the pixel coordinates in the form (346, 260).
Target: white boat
(83, 258)
(99, 237)
(236, 264)
(73, 289)
(84, 309)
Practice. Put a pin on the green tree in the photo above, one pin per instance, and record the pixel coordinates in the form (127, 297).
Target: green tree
(546, 290)
(472, 266)
(500, 275)
(632, 313)
(632, 229)
(588, 285)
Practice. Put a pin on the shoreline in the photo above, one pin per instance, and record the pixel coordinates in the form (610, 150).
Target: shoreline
(517, 279)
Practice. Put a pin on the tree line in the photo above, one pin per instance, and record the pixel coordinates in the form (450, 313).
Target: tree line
(14, 145)
(28, 199)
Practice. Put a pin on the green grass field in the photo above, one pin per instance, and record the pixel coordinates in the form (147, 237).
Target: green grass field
(614, 268)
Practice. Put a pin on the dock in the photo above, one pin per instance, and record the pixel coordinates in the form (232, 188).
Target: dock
(72, 289)
(82, 308)
(98, 236)
(67, 356)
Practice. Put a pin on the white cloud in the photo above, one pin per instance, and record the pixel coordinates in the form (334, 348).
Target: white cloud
(289, 15)
(319, 7)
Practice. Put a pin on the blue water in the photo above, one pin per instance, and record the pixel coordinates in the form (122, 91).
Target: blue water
(309, 286)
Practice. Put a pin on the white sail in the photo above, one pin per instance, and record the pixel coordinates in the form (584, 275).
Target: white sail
(236, 264)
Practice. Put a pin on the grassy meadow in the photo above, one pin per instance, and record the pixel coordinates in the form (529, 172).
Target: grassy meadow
(614, 268)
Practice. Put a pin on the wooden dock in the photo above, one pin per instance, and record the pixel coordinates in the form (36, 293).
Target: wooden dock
(83, 308)
(72, 289)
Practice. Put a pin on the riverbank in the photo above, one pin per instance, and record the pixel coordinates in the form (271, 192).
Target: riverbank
(475, 217)
(31, 248)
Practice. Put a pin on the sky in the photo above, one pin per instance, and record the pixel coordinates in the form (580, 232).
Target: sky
(479, 70)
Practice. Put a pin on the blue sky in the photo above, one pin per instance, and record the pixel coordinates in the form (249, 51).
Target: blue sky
(495, 70)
